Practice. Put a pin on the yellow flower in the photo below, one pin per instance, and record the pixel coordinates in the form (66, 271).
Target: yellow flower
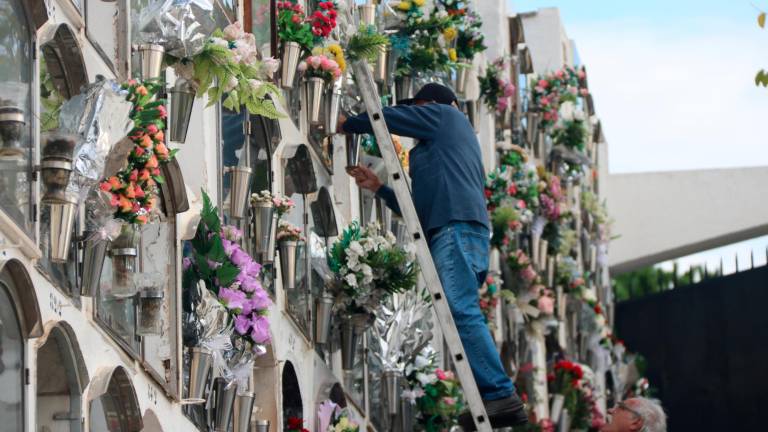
(404, 6)
(338, 55)
(452, 54)
(316, 51)
(450, 34)
(418, 2)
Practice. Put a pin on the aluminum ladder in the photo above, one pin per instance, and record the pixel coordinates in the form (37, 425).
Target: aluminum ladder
(397, 180)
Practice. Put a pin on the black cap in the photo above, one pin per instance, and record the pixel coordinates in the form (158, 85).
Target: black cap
(432, 92)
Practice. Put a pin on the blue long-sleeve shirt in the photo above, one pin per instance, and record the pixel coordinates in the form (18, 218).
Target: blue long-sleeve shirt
(446, 166)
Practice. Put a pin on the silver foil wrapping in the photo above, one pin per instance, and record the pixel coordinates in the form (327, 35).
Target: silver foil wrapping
(180, 26)
(404, 330)
(100, 117)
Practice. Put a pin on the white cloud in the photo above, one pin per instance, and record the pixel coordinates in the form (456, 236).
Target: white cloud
(681, 98)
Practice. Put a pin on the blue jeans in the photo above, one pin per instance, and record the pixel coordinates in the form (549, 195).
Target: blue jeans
(460, 251)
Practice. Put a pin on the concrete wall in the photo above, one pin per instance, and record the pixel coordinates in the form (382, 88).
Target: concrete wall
(665, 215)
(546, 38)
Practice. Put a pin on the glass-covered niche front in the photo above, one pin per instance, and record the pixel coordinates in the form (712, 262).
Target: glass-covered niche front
(12, 359)
(16, 115)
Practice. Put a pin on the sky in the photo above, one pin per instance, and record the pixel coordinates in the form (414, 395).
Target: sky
(673, 81)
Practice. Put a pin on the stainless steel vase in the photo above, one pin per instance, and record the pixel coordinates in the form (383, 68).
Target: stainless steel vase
(314, 90)
(462, 76)
(352, 145)
(62, 224)
(182, 101)
(403, 87)
(241, 420)
(323, 313)
(290, 61)
(221, 406)
(264, 226)
(239, 192)
(94, 253)
(331, 112)
(352, 327)
(391, 384)
(201, 361)
(288, 263)
(151, 59)
(367, 14)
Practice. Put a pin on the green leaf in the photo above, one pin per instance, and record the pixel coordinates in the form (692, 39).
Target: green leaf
(226, 274)
(761, 20)
(159, 179)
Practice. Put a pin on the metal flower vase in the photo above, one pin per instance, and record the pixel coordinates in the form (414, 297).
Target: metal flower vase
(222, 404)
(262, 425)
(182, 100)
(288, 262)
(391, 384)
(264, 230)
(11, 129)
(352, 327)
(240, 184)
(94, 253)
(331, 112)
(404, 419)
(201, 361)
(472, 113)
(151, 60)
(56, 168)
(404, 87)
(352, 145)
(289, 63)
(241, 420)
(314, 91)
(462, 76)
(381, 68)
(63, 216)
(323, 314)
(123, 251)
(367, 14)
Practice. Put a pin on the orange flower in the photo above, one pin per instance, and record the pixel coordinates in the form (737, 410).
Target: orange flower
(129, 193)
(160, 136)
(138, 191)
(162, 151)
(115, 183)
(141, 90)
(145, 141)
(144, 175)
(105, 186)
(152, 162)
(141, 219)
(125, 204)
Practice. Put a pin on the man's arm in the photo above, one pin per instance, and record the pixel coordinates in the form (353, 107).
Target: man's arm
(415, 121)
(388, 195)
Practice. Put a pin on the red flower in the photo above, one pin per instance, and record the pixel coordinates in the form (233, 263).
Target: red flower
(295, 19)
(162, 111)
(138, 151)
(134, 175)
(598, 309)
(488, 193)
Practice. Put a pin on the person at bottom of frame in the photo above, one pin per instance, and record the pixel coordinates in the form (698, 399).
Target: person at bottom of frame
(447, 178)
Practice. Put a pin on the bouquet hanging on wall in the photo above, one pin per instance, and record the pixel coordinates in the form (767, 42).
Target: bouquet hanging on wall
(489, 299)
(232, 275)
(370, 267)
(228, 67)
(470, 38)
(548, 92)
(134, 188)
(570, 381)
(435, 393)
(320, 66)
(494, 88)
(571, 129)
(294, 26)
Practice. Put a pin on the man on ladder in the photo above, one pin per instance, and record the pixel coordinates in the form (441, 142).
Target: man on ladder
(447, 177)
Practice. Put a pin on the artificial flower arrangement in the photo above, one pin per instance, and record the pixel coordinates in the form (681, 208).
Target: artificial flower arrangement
(371, 147)
(229, 66)
(551, 199)
(282, 204)
(435, 393)
(551, 90)
(470, 38)
(335, 52)
(294, 26)
(320, 66)
(295, 424)
(571, 129)
(370, 267)
(288, 232)
(489, 299)
(231, 275)
(568, 380)
(366, 44)
(134, 188)
(512, 196)
(495, 90)
(333, 418)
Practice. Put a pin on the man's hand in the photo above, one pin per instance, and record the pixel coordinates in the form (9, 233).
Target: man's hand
(340, 123)
(365, 178)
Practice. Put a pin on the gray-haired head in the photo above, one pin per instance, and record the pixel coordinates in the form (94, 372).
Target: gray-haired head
(654, 418)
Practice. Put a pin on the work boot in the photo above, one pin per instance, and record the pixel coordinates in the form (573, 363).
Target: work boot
(502, 413)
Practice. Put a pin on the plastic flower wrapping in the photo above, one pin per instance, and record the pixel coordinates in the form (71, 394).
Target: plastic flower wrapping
(332, 418)
(99, 117)
(180, 26)
(370, 266)
(233, 277)
(134, 187)
(435, 393)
